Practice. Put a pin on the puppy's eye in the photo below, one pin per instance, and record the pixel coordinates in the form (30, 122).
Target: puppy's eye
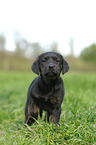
(45, 59)
(56, 59)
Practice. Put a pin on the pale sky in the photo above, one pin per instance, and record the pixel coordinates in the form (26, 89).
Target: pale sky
(46, 21)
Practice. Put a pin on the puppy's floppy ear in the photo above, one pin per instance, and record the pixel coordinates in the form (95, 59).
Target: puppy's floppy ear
(65, 66)
(35, 66)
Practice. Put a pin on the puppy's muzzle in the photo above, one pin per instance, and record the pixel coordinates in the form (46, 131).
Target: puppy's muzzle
(51, 66)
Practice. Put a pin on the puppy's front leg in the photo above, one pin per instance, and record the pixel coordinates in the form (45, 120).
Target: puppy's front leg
(55, 115)
(31, 111)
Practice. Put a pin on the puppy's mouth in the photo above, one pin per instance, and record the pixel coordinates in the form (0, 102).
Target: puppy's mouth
(51, 73)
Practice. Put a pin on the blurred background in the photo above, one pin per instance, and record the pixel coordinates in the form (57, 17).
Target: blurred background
(28, 28)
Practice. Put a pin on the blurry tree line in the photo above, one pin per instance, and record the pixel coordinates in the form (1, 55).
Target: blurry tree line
(26, 52)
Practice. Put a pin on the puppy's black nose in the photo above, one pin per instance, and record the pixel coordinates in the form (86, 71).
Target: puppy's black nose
(51, 65)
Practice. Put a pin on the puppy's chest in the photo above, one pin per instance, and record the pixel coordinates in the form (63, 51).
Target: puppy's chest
(46, 96)
(50, 99)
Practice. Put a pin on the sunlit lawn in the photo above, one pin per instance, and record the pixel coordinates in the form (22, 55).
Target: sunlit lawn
(78, 120)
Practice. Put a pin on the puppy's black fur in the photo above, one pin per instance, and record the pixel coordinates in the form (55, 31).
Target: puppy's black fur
(46, 91)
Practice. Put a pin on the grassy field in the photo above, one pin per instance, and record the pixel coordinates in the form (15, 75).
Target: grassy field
(78, 120)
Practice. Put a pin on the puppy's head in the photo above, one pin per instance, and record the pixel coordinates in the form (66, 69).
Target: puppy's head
(50, 64)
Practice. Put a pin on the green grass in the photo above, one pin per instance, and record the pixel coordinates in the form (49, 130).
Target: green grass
(78, 119)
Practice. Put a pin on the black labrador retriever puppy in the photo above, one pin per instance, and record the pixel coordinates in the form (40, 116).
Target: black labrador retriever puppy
(46, 91)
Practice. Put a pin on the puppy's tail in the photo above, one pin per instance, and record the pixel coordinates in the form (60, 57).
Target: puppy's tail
(40, 112)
